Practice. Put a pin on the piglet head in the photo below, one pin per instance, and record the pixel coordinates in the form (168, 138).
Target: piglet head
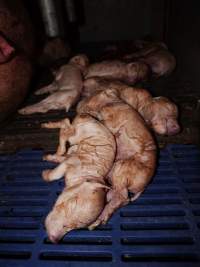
(76, 207)
(164, 116)
(137, 71)
(81, 61)
(6, 50)
(96, 102)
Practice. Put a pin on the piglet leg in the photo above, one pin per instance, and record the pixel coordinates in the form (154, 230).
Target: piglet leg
(66, 130)
(51, 88)
(43, 106)
(116, 199)
(56, 101)
(64, 136)
(55, 174)
(54, 158)
(56, 124)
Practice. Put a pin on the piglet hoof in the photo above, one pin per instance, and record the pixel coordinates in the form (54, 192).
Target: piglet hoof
(67, 109)
(45, 157)
(26, 111)
(48, 157)
(54, 239)
(44, 125)
(45, 175)
(104, 221)
(94, 225)
(39, 92)
(136, 195)
(22, 111)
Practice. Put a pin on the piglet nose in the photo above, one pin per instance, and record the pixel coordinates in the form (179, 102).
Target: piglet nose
(174, 129)
(54, 239)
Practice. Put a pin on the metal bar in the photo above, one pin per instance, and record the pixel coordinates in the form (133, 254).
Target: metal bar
(70, 9)
(49, 17)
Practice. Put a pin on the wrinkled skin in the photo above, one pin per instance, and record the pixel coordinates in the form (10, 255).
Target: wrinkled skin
(118, 70)
(160, 113)
(155, 55)
(136, 151)
(64, 90)
(93, 85)
(85, 165)
(76, 207)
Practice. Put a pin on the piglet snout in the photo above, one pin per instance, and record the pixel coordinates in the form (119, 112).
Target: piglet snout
(172, 128)
(54, 239)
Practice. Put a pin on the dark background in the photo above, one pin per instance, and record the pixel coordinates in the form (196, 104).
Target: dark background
(100, 22)
(175, 22)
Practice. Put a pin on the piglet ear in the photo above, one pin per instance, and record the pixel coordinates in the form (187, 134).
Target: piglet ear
(6, 50)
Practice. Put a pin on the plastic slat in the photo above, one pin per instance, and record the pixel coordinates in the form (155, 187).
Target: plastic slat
(161, 228)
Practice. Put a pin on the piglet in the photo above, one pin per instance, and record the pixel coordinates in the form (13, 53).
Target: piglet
(64, 90)
(160, 113)
(156, 55)
(135, 160)
(129, 73)
(85, 166)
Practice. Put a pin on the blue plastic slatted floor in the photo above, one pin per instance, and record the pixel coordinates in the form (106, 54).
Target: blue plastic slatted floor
(162, 228)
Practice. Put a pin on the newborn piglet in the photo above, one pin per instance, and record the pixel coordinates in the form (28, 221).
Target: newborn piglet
(156, 55)
(136, 151)
(64, 90)
(159, 113)
(84, 165)
(118, 70)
